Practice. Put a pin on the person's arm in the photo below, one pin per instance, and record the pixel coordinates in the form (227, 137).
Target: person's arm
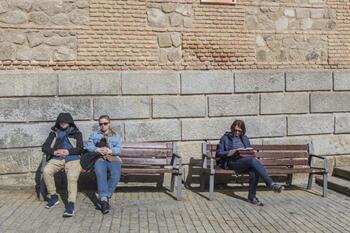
(116, 146)
(80, 146)
(90, 145)
(246, 141)
(46, 148)
(221, 151)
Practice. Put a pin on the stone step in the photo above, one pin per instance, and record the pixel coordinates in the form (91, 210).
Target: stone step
(343, 172)
(337, 184)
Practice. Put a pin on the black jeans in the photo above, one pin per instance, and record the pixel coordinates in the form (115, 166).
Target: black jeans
(255, 170)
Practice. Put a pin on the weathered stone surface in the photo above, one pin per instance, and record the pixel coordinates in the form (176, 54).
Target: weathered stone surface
(331, 144)
(289, 12)
(46, 109)
(310, 124)
(42, 53)
(13, 109)
(7, 51)
(79, 16)
(164, 40)
(184, 9)
(156, 18)
(341, 80)
(342, 123)
(302, 13)
(169, 7)
(214, 128)
(55, 40)
(223, 105)
(282, 23)
(25, 5)
(308, 80)
(259, 81)
(150, 82)
(176, 39)
(122, 107)
(174, 54)
(156, 130)
(188, 150)
(60, 19)
(13, 17)
(284, 103)
(23, 135)
(330, 102)
(163, 56)
(176, 106)
(188, 22)
(51, 7)
(28, 84)
(18, 160)
(39, 18)
(35, 38)
(207, 82)
(14, 36)
(95, 83)
(4, 7)
(176, 20)
(64, 54)
(82, 3)
(317, 13)
(18, 180)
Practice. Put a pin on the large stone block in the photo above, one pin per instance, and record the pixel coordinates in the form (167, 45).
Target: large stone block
(229, 105)
(330, 102)
(214, 128)
(13, 109)
(199, 82)
(89, 83)
(28, 84)
(155, 130)
(188, 150)
(179, 106)
(47, 109)
(308, 80)
(259, 81)
(150, 82)
(331, 144)
(26, 180)
(295, 140)
(341, 80)
(123, 107)
(342, 123)
(284, 103)
(310, 124)
(23, 135)
(16, 160)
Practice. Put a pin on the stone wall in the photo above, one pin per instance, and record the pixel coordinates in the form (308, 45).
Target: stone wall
(173, 34)
(188, 107)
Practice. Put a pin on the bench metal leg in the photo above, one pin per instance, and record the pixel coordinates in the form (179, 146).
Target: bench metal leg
(178, 187)
(211, 186)
(325, 183)
(311, 179)
(172, 183)
(203, 183)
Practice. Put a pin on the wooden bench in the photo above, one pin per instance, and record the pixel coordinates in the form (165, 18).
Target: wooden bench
(277, 159)
(143, 159)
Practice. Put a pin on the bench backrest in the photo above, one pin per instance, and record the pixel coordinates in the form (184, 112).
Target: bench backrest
(141, 154)
(274, 155)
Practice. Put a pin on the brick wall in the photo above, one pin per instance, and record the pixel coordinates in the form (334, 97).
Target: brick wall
(173, 34)
(187, 107)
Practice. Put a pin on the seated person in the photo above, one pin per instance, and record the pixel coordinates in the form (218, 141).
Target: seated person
(227, 151)
(63, 148)
(104, 145)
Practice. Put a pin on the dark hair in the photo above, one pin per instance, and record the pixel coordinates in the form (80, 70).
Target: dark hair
(109, 120)
(240, 124)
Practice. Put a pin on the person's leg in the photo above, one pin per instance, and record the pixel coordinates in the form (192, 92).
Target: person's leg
(72, 169)
(114, 168)
(101, 176)
(261, 171)
(51, 168)
(253, 184)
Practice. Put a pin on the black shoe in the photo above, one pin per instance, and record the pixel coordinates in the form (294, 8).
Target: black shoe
(277, 188)
(69, 212)
(255, 201)
(105, 207)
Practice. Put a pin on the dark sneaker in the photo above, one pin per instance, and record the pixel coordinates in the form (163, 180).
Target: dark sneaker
(52, 202)
(255, 201)
(277, 188)
(69, 212)
(105, 207)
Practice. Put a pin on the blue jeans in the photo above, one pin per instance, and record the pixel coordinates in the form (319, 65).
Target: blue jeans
(255, 170)
(106, 186)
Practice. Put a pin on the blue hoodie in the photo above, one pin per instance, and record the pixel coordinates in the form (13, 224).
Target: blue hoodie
(229, 142)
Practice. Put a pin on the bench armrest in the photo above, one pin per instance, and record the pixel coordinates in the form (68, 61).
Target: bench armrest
(325, 161)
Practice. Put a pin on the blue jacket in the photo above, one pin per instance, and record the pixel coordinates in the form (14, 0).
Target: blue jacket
(113, 142)
(226, 144)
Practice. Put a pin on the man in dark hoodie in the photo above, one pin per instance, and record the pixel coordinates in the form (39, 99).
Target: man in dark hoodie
(63, 148)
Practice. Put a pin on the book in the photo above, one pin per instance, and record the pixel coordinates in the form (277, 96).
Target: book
(242, 152)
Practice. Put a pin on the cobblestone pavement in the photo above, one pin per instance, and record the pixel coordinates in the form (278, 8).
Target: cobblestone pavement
(294, 210)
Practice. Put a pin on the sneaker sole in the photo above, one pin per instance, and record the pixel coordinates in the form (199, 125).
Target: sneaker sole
(68, 215)
(48, 207)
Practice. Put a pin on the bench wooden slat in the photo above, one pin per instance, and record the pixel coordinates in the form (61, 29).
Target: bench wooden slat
(282, 154)
(150, 145)
(277, 171)
(270, 162)
(148, 170)
(145, 161)
(280, 147)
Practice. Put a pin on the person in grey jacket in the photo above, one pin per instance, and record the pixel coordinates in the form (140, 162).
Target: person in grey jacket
(229, 144)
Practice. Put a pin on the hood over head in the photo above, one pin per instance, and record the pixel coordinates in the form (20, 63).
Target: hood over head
(64, 117)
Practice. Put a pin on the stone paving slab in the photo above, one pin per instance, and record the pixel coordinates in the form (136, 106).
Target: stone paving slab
(150, 210)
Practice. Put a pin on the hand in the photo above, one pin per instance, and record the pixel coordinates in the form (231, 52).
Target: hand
(61, 152)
